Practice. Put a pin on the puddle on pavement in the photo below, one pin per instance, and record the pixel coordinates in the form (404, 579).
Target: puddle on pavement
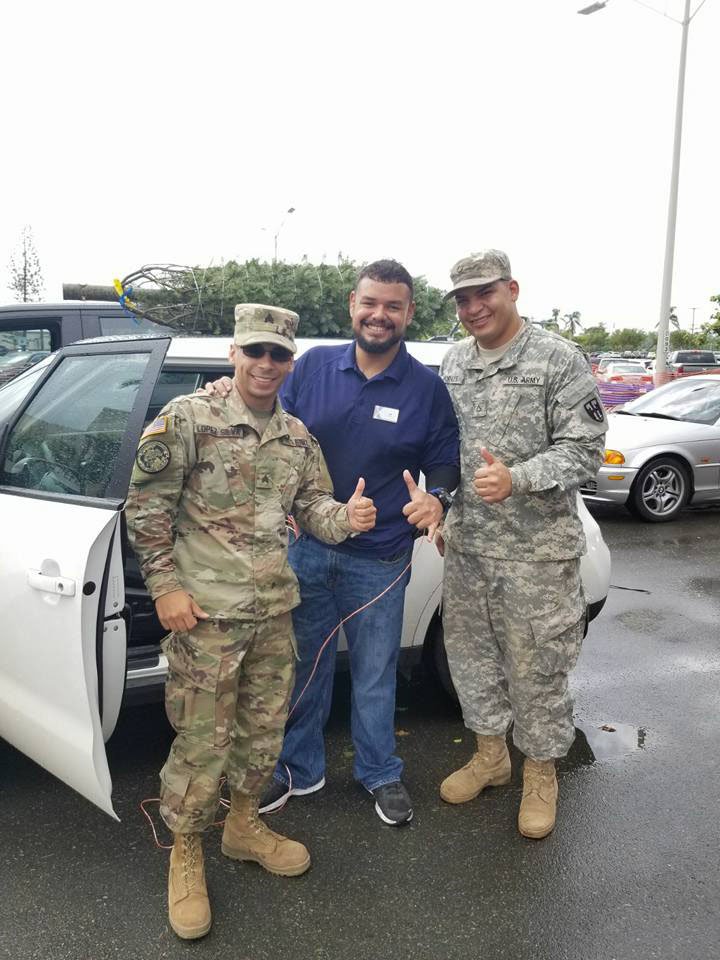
(705, 586)
(643, 620)
(684, 540)
(608, 741)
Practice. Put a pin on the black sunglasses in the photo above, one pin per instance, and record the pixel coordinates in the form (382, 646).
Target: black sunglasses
(256, 350)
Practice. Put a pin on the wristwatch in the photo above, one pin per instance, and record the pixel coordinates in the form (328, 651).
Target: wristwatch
(444, 496)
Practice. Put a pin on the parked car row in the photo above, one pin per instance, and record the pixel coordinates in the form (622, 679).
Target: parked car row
(620, 380)
(679, 363)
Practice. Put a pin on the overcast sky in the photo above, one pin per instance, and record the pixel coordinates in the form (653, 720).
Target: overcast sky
(178, 132)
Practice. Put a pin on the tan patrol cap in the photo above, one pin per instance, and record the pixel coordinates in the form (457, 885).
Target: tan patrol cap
(259, 323)
(478, 270)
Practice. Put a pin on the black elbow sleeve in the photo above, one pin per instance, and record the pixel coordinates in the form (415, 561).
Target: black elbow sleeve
(445, 476)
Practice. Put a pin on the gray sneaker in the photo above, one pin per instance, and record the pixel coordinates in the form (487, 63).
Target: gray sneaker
(277, 794)
(392, 803)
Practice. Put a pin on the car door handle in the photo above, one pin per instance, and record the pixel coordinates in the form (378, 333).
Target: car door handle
(60, 585)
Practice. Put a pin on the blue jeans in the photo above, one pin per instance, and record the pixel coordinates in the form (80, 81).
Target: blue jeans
(333, 585)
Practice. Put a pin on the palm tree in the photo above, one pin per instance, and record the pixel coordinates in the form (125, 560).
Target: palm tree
(572, 322)
(552, 322)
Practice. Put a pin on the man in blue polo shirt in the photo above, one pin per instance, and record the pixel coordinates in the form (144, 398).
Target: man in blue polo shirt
(381, 415)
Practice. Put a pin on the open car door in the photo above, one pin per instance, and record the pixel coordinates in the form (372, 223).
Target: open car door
(66, 455)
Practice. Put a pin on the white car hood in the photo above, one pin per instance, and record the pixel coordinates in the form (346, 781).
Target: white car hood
(634, 433)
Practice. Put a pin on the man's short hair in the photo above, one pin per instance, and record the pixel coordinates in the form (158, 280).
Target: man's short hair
(386, 271)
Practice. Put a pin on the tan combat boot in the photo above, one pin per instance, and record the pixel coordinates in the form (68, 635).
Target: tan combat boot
(246, 837)
(488, 767)
(188, 903)
(539, 799)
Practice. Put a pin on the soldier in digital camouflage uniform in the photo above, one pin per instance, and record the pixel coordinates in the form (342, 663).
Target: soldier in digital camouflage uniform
(531, 431)
(213, 483)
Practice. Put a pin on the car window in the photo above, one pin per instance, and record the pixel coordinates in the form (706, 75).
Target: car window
(117, 324)
(20, 349)
(172, 383)
(696, 401)
(627, 367)
(178, 383)
(13, 394)
(694, 356)
(68, 439)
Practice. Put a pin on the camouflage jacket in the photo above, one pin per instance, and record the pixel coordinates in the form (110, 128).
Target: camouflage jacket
(537, 409)
(208, 503)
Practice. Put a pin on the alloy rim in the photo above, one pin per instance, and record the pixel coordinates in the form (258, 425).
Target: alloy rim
(663, 490)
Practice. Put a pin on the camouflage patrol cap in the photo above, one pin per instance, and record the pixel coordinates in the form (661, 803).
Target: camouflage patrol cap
(478, 270)
(259, 323)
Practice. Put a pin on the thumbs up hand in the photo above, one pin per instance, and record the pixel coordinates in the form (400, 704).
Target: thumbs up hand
(361, 510)
(492, 482)
(424, 510)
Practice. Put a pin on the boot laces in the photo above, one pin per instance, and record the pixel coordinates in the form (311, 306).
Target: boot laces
(538, 781)
(485, 756)
(191, 854)
(257, 826)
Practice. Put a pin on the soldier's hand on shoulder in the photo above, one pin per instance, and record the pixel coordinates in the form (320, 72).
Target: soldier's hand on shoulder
(178, 611)
(218, 388)
(362, 512)
(492, 482)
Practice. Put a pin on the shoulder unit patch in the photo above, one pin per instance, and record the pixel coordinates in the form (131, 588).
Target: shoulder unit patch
(594, 410)
(153, 457)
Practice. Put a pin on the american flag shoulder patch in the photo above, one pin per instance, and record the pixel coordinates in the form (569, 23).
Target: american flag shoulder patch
(159, 425)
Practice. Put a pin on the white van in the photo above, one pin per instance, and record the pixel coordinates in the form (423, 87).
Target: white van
(79, 629)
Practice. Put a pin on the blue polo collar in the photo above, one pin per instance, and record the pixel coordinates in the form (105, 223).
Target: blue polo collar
(395, 371)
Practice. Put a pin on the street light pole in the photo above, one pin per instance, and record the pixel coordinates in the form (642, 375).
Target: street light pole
(277, 232)
(664, 322)
(661, 350)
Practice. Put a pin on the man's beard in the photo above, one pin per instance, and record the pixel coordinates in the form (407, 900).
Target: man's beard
(373, 346)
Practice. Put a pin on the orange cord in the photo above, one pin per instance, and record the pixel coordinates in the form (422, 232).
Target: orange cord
(335, 630)
(168, 846)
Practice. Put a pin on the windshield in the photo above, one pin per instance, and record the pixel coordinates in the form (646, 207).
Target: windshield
(696, 356)
(696, 401)
(626, 368)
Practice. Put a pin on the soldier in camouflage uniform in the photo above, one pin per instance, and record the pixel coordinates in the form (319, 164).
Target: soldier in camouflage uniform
(213, 483)
(531, 431)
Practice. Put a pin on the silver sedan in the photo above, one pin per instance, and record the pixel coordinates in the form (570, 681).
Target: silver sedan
(663, 450)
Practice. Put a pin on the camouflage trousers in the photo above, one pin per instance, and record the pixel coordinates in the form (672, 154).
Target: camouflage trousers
(226, 696)
(513, 632)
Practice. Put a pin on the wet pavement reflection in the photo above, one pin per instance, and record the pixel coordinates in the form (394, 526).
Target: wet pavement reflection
(606, 741)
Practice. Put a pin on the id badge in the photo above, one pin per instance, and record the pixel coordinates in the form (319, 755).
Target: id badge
(389, 414)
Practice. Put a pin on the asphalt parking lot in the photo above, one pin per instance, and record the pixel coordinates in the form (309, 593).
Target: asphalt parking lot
(631, 870)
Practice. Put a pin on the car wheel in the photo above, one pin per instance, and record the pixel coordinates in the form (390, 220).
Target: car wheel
(439, 659)
(660, 491)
